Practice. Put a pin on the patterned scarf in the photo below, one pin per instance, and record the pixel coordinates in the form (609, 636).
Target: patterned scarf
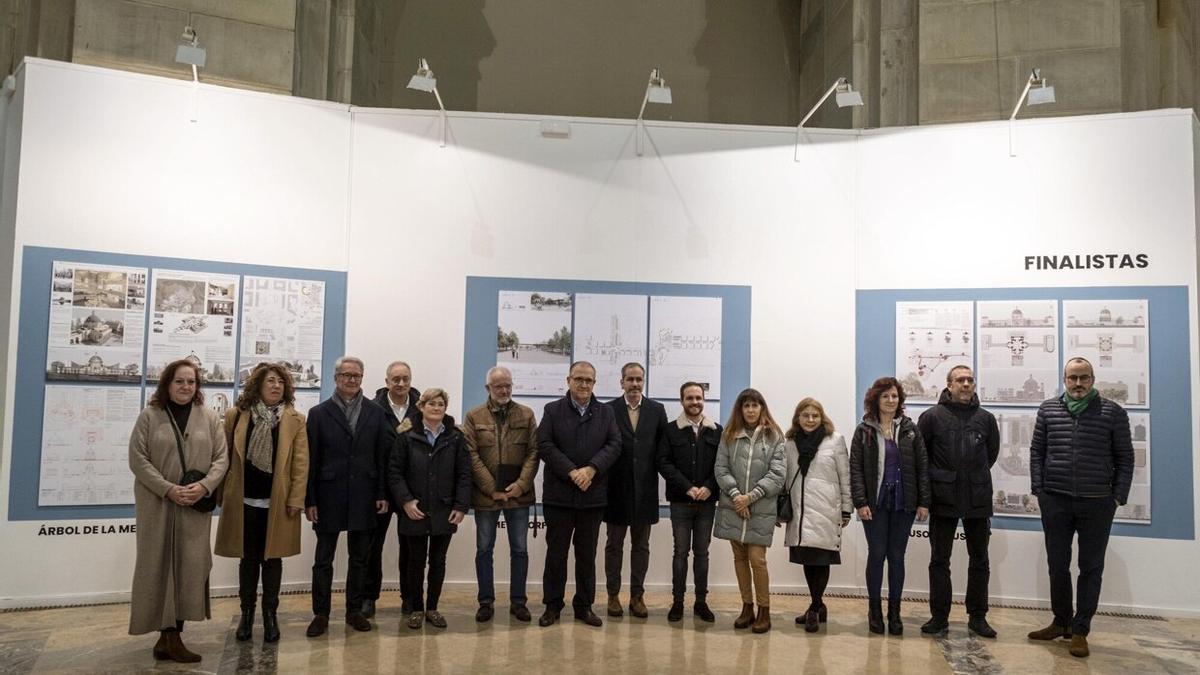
(260, 450)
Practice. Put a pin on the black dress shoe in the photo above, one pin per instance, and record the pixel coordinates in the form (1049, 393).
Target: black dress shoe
(589, 617)
(319, 625)
(978, 625)
(935, 626)
(548, 618)
(520, 613)
(702, 612)
(245, 629)
(676, 611)
(368, 608)
(270, 626)
(358, 622)
(484, 613)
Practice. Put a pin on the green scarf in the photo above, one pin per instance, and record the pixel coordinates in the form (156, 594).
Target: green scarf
(1077, 406)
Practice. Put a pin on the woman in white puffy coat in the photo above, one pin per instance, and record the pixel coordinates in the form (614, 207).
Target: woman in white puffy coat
(818, 482)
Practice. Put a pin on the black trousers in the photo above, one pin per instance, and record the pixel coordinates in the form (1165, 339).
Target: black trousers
(566, 527)
(254, 543)
(941, 545)
(420, 549)
(639, 557)
(358, 543)
(374, 583)
(1062, 518)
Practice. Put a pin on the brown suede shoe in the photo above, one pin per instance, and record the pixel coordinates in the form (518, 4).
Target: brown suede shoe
(1050, 632)
(614, 606)
(637, 607)
(1079, 646)
(745, 618)
(762, 623)
(180, 654)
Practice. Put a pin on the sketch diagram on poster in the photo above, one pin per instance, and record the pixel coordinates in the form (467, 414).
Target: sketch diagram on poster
(97, 319)
(685, 344)
(1010, 474)
(283, 321)
(533, 340)
(931, 338)
(85, 445)
(192, 316)
(1137, 507)
(1018, 351)
(1115, 336)
(610, 331)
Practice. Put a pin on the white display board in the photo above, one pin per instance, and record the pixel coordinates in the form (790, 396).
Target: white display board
(610, 331)
(685, 344)
(534, 340)
(85, 445)
(1115, 336)
(1018, 351)
(97, 319)
(931, 338)
(193, 315)
(283, 321)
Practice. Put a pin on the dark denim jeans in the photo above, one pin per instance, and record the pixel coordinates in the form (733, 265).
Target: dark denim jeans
(516, 521)
(692, 526)
(1062, 517)
(887, 541)
(941, 544)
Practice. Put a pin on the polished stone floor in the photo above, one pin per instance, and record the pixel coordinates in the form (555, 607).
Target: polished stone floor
(94, 640)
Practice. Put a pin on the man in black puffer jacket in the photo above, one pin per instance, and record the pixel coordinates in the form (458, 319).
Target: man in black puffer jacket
(962, 440)
(1080, 466)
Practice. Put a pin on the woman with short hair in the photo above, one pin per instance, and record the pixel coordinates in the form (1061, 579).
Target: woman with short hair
(889, 480)
(749, 472)
(175, 433)
(263, 495)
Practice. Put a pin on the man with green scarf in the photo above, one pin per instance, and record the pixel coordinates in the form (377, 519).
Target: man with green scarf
(1080, 467)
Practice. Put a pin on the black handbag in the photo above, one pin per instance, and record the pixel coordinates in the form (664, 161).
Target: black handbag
(783, 502)
(208, 502)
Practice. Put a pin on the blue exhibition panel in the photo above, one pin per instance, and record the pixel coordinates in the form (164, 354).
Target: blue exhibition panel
(33, 327)
(1170, 384)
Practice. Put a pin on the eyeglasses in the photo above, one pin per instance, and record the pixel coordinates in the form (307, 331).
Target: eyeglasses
(1080, 378)
(965, 380)
(586, 381)
(350, 376)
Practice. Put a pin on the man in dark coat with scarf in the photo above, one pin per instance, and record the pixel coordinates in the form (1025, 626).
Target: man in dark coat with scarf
(963, 441)
(349, 443)
(633, 489)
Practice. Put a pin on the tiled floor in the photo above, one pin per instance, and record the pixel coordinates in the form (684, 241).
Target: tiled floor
(94, 640)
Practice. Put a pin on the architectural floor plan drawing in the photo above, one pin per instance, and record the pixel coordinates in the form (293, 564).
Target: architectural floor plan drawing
(1115, 336)
(1018, 351)
(685, 344)
(610, 331)
(85, 445)
(931, 338)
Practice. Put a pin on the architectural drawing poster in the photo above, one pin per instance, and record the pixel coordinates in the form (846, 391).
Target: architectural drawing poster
(533, 340)
(192, 316)
(85, 445)
(1115, 336)
(283, 321)
(1018, 351)
(610, 331)
(685, 344)
(97, 319)
(931, 338)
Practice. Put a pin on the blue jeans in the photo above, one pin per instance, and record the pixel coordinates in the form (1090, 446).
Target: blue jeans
(516, 521)
(691, 525)
(887, 541)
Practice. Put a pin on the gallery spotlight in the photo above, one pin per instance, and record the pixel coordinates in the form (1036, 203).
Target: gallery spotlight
(1037, 91)
(657, 91)
(189, 52)
(424, 80)
(846, 98)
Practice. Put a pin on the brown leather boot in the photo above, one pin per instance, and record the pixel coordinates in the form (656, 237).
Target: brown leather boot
(762, 623)
(160, 647)
(177, 652)
(746, 617)
(637, 607)
(614, 606)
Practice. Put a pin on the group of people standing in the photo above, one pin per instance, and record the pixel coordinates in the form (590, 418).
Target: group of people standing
(354, 462)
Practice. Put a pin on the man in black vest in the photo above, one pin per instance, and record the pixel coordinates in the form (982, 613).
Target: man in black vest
(963, 441)
(633, 489)
(1080, 468)
(349, 443)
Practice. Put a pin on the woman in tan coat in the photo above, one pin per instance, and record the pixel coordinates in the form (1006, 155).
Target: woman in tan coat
(170, 577)
(264, 492)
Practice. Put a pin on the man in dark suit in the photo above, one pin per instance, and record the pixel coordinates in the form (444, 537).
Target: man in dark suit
(633, 489)
(349, 441)
(578, 440)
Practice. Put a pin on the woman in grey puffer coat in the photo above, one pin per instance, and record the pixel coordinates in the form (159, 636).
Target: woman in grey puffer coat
(749, 472)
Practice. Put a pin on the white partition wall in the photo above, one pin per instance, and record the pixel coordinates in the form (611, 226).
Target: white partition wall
(110, 162)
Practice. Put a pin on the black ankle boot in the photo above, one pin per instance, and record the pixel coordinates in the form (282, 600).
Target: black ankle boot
(895, 625)
(272, 578)
(875, 616)
(270, 626)
(245, 629)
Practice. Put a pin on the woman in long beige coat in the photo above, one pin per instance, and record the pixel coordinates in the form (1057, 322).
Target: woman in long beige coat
(263, 494)
(170, 577)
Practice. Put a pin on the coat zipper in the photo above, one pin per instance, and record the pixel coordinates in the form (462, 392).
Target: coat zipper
(746, 490)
